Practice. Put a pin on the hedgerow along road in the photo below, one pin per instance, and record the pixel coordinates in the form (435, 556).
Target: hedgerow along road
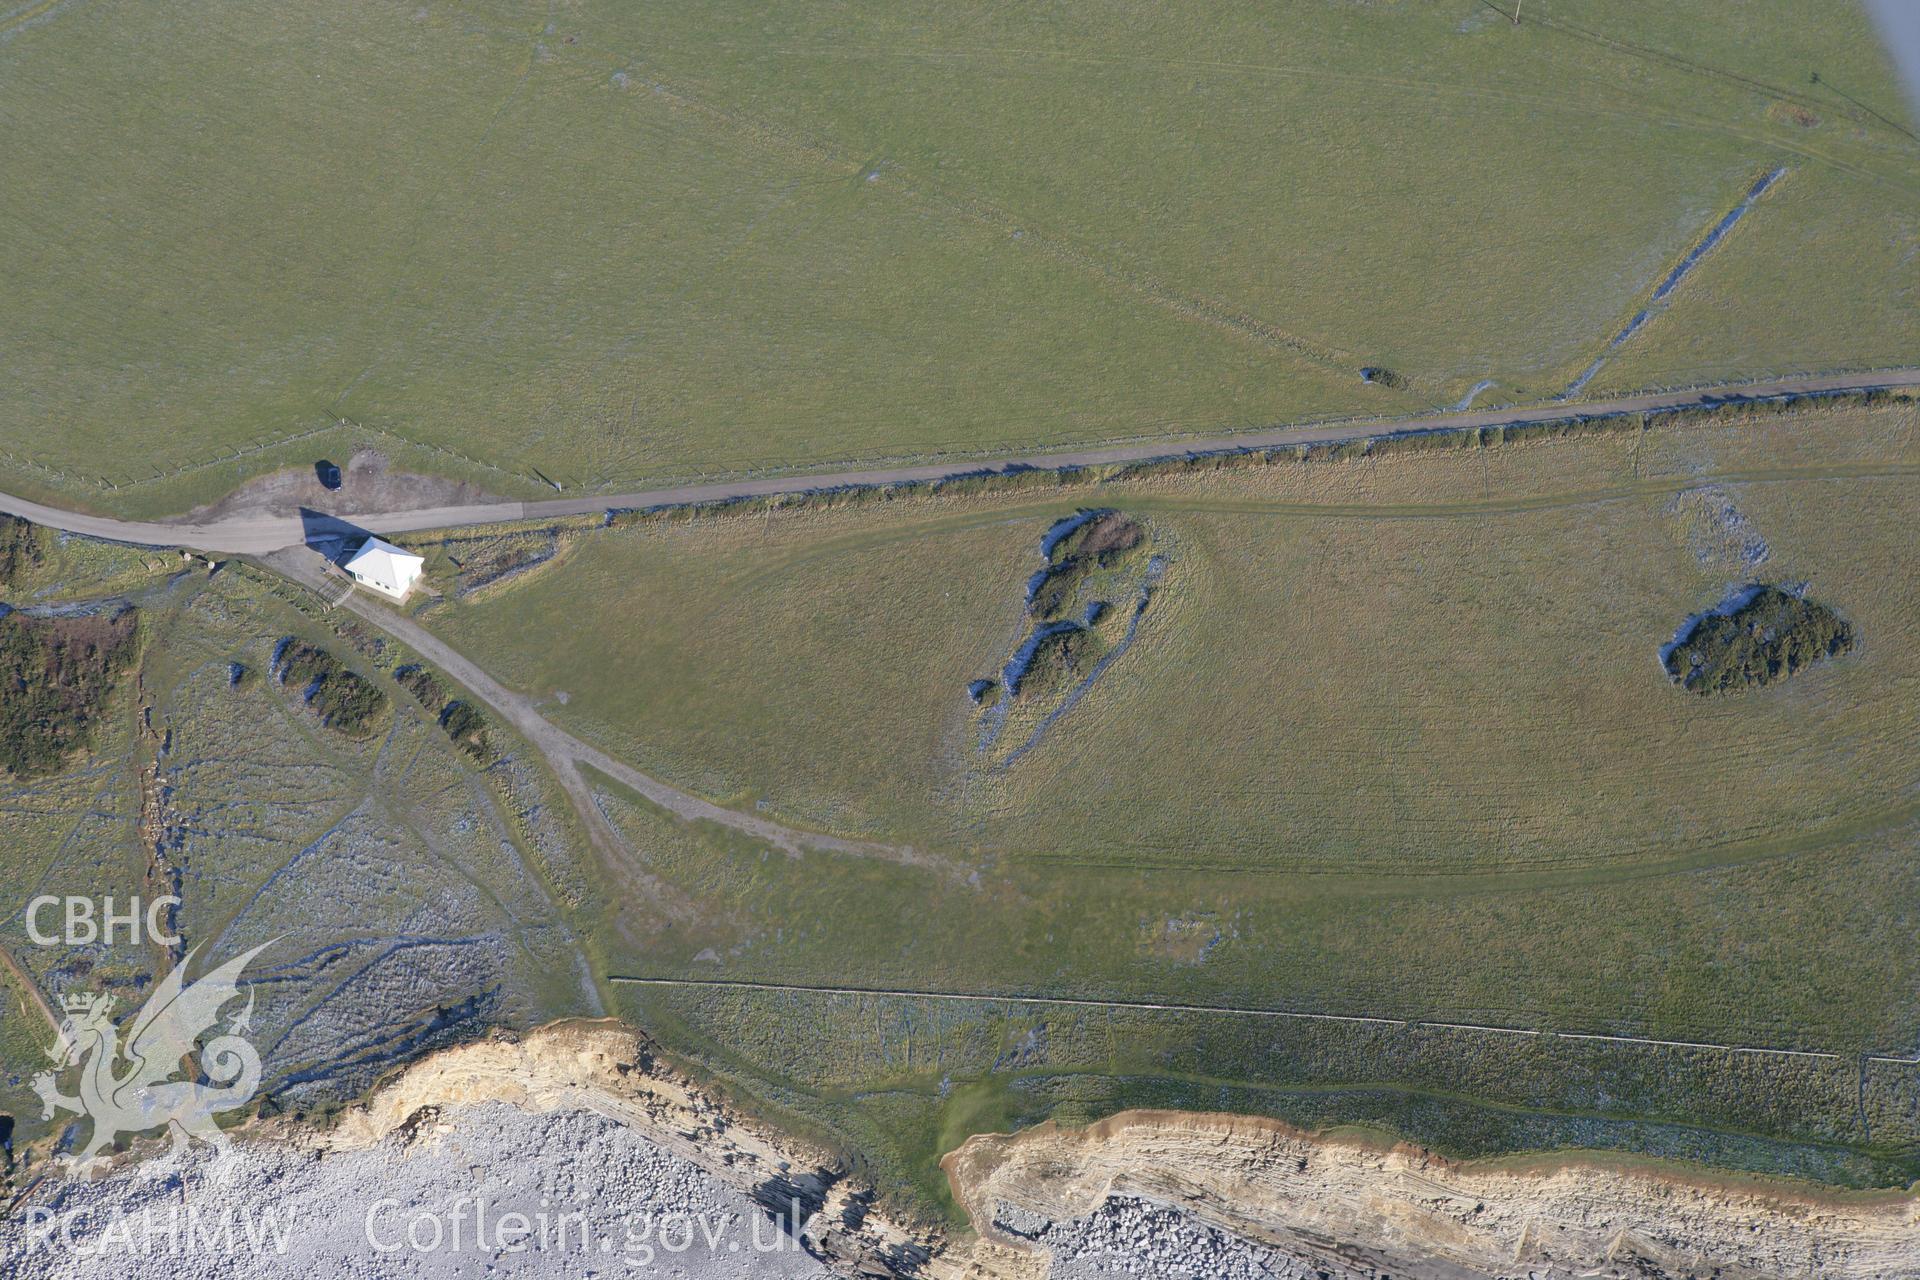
(261, 533)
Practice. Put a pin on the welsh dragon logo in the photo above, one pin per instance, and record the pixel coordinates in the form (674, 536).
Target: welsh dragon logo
(131, 1089)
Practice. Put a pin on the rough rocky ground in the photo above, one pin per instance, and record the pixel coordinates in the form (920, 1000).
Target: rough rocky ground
(576, 1122)
(615, 1164)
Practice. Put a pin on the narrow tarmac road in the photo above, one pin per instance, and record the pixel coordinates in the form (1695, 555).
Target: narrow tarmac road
(280, 541)
(259, 534)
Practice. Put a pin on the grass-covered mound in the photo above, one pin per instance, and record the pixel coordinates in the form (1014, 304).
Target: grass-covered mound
(1769, 637)
(1096, 540)
(55, 676)
(467, 727)
(1082, 607)
(344, 700)
(1094, 559)
(423, 685)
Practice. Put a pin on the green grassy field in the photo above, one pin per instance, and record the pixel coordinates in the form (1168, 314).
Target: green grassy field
(1792, 263)
(1394, 739)
(1792, 958)
(607, 245)
(1445, 664)
(1391, 738)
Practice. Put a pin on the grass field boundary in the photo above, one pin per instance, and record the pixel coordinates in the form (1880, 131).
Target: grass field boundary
(1145, 1006)
(1856, 111)
(1675, 276)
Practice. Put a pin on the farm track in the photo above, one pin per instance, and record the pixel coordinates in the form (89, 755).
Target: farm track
(280, 541)
(563, 752)
(1405, 1024)
(260, 534)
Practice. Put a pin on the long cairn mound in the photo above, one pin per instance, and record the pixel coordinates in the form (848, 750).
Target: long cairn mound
(1083, 608)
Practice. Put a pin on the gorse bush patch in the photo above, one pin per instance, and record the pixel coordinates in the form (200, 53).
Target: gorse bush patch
(19, 548)
(460, 720)
(1768, 638)
(344, 700)
(55, 677)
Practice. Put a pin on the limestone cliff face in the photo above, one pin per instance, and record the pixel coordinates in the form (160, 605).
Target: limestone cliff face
(1361, 1209)
(1343, 1205)
(607, 1068)
(1331, 1207)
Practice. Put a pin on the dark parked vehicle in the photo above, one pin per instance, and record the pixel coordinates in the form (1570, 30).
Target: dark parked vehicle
(328, 473)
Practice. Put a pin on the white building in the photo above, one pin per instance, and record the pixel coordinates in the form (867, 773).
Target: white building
(382, 566)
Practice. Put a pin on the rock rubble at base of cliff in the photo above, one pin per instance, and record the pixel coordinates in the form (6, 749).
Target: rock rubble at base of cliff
(488, 1191)
(1131, 1237)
